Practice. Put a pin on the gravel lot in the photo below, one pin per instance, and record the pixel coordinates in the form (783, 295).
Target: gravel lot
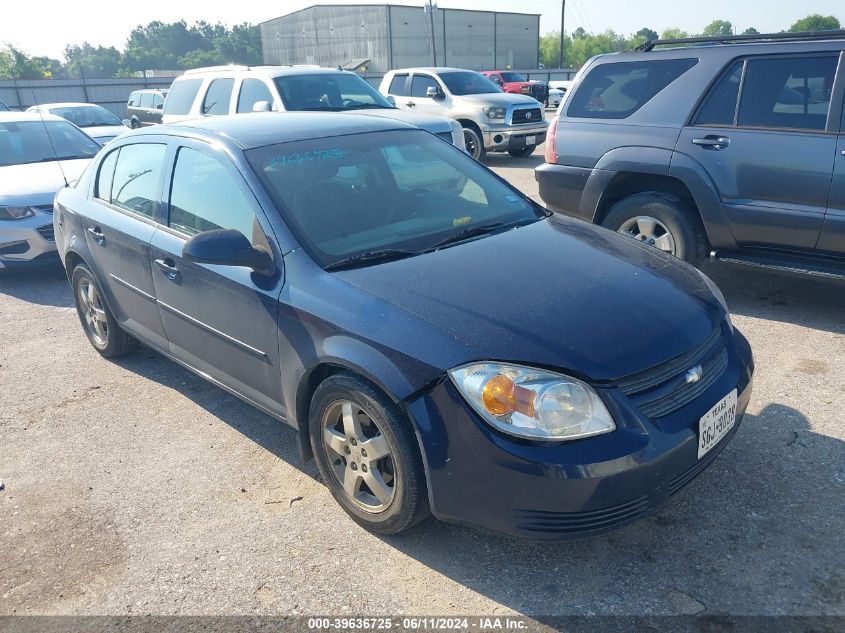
(133, 487)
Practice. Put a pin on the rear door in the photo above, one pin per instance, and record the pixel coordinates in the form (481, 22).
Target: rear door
(119, 223)
(766, 135)
(398, 89)
(832, 239)
(145, 112)
(220, 320)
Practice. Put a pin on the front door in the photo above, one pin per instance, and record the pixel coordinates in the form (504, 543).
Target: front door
(220, 320)
(119, 224)
(419, 100)
(771, 157)
(832, 239)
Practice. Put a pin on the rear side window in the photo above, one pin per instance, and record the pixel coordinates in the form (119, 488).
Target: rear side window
(617, 90)
(136, 178)
(181, 96)
(146, 100)
(134, 99)
(720, 106)
(217, 97)
(106, 176)
(397, 86)
(253, 91)
(421, 84)
(787, 92)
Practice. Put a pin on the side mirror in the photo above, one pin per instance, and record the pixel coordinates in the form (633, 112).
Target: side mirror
(262, 106)
(391, 99)
(227, 247)
(432, 92)
(159, 106)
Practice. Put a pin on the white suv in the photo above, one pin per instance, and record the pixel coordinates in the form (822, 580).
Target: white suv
(492, 120)
(222, 90)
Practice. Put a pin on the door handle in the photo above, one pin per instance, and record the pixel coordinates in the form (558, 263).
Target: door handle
(411, 104)
(97, 232)
(716, 143)
(169, 267)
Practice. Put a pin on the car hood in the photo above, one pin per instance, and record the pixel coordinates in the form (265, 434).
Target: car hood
(558, 293)
(104, 131)
(37, 183)
(502, 99)
(430, 122)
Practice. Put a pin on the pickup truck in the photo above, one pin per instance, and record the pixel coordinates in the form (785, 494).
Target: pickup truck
(515, 83)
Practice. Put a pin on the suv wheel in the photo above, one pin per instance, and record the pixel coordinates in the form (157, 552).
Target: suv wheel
(367, 455)
(660, 220)
(99, 324)
(474, 142)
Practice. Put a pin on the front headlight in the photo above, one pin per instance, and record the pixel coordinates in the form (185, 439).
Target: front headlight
(492, 112)
(16, 213)
(532, 403)
(719, 297)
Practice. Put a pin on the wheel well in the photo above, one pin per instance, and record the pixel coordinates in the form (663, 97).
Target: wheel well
(472, 124)
(72, 260)
(307, 386)
(627, 184)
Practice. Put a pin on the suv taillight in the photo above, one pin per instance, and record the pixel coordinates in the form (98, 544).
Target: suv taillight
(551, 143)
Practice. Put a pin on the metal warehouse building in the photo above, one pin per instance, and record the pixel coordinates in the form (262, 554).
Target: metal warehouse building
(381, 37)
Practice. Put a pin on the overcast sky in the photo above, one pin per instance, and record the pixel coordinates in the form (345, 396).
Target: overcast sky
(46, 27)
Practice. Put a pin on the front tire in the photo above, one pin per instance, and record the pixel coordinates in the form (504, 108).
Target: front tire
(474, 142)
(367, 454)
(100, 326)
(661, 220)
(135, 124)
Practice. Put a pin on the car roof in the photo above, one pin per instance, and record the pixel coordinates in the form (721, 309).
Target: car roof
(730, 49)
(68, 104)
(432, 69)
(267, 71)
(257, 129)
(20, 117)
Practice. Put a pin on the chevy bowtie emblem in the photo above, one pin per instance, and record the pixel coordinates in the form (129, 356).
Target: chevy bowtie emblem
(694, 374)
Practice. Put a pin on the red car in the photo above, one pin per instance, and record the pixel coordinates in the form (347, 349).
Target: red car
(516, 83)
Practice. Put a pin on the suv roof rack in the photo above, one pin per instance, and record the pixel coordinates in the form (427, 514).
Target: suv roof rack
(211, 69)
(746, 39)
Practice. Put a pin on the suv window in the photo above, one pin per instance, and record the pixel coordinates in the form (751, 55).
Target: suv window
(617, 90)
(720, 106)
(146, 100)
(158, 101)
(181, 96)
(217, 97)
(787, 92)
(134, 99)
(106, 176)
(204, 196)
(397, 85)
(421, 84)
(253, 91)
(136, 178)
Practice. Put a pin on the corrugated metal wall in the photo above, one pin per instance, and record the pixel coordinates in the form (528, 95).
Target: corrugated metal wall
(393, 36)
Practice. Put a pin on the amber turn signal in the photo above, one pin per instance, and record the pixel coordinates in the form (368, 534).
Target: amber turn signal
(502, 396)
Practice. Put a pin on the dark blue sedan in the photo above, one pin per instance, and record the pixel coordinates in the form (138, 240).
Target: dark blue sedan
(441, 343)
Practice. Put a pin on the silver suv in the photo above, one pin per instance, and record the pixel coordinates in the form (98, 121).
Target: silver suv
(206, 92)
(492, 120)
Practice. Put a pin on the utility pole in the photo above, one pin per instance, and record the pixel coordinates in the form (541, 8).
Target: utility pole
(562, 24)
(430, 8)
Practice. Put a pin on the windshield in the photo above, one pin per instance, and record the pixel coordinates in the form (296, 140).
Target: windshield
(341, 91)
(512, 77)
(466, 82)
(402, 189)
(27, 142)
(86, 116)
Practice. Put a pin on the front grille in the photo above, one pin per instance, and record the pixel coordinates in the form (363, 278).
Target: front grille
(446, 136)
(46, 232)
(575, 522)
(662, 390)
(526, 115)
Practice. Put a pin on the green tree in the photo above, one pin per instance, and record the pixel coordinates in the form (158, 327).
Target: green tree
(815, 22)
(94, 62)
(673, 34)
(579, 33)
(647, 35)
(718, 28)
(16, 64)
(751, 31)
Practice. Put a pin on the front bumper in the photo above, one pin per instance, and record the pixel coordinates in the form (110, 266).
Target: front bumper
(480, 477)
(27, 243)
(504, 138)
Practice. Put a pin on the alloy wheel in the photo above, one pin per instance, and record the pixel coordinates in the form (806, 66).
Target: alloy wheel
(359, 456)
(473, 144)
(93, 312)
(649, 231)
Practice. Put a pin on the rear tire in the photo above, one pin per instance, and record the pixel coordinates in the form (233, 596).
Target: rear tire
(474, 142)
(383, 491)
(661, 220)
(98, 323)
(134, 124)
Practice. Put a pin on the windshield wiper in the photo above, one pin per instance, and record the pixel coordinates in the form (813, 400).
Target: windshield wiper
(369, 106)
(382, 255)
(476, 231)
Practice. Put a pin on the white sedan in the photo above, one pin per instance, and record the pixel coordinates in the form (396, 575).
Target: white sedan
(94, 120)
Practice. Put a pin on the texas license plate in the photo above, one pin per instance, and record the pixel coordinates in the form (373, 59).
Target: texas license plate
(530, 140)
(716, 423)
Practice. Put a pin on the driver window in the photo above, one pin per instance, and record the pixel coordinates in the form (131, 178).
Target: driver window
(421, 84)
(205, 196)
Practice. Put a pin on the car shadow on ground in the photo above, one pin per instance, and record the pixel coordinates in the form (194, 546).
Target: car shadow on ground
(505, 160)
(44, 286)
(757, 532)
(799, 299)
